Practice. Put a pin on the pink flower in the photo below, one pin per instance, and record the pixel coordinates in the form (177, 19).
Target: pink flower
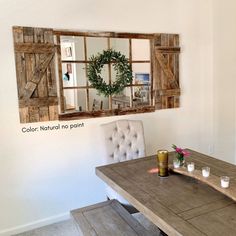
(186, 153)
(181, 151)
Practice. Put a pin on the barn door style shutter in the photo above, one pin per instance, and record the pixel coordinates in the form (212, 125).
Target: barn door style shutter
(166, 90)
(35, 72)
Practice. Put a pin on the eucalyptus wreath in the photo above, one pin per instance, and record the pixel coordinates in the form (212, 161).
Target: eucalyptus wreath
(121, 66)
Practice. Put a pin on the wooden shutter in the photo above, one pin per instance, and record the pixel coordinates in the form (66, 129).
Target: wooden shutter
(35, 72)
(166, 90)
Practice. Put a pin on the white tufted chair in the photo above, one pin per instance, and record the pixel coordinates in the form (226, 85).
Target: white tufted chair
(124, 140)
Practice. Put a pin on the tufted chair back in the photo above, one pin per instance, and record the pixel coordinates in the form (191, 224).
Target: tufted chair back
(124, 140)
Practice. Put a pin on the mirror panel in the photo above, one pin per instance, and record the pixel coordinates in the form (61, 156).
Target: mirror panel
(140, 49)
(81, 100)
(104, 74)
(70, 99)
(122, 100)
(141, 95)
(95, 45)
(141, 72)
(97, 102)
(72, 48)
(136, 95)
(75, 99)
(74, 74)
(120, 45)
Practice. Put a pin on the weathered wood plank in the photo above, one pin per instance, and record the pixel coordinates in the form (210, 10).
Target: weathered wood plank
(33, 114)
(40, 58)
(212, 180)
(53, 112)
(163, 191)
(51, 70)
(37, 76)
(30, 63)
(19, 61)
(167, 49)
(107, 218)
(24, 114)
(171, 77)
(43, 83)
(166, 62)
(152, 71)
(104, 34)
(219, 222)
(103, 113)
(218, 167)
(43, 113)
(168, 92)
(36, 79)
(29, 47)
(38, 102)
(204, 209)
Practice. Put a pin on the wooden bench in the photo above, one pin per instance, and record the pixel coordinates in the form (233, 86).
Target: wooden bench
(108, 218)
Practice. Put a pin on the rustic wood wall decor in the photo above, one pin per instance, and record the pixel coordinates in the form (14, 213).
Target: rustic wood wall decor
(37, 78)
(166, 71)
(35, 72)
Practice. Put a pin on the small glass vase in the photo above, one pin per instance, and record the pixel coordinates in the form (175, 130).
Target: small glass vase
(178, 160)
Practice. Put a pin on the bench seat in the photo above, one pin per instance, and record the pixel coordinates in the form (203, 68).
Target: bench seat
(108, 218)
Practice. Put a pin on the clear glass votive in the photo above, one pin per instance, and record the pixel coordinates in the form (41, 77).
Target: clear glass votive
(176, 163)
(224, 181)
(205, 171)
(190, 166)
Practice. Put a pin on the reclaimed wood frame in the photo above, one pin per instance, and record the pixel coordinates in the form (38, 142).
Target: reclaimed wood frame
(40, 87)
(110, 112)
(164, 85)
(35, 73)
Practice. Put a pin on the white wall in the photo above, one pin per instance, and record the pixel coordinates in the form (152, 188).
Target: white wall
(43, 175)
(224, 54)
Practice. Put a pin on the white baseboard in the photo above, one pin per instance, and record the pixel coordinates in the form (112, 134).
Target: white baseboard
(35, 224)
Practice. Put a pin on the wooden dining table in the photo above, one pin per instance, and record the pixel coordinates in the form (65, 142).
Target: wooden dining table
(177, 204)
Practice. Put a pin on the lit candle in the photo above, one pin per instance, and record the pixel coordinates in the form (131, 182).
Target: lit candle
(190, 167)
(205, 171)
(162, 157)
(224, 180)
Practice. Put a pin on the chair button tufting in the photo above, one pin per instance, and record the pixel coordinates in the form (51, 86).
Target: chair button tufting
(130, 144)
(112, 155)
(137, 152)
(135, 135)
(110, 138)
(123, 137)
(118, 146)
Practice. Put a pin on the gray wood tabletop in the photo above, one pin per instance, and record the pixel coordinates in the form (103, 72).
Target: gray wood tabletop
(178, 204)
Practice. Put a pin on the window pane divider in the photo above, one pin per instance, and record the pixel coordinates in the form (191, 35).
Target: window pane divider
(86, 73)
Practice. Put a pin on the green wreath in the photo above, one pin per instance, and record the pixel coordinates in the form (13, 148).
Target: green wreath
(121, 66)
